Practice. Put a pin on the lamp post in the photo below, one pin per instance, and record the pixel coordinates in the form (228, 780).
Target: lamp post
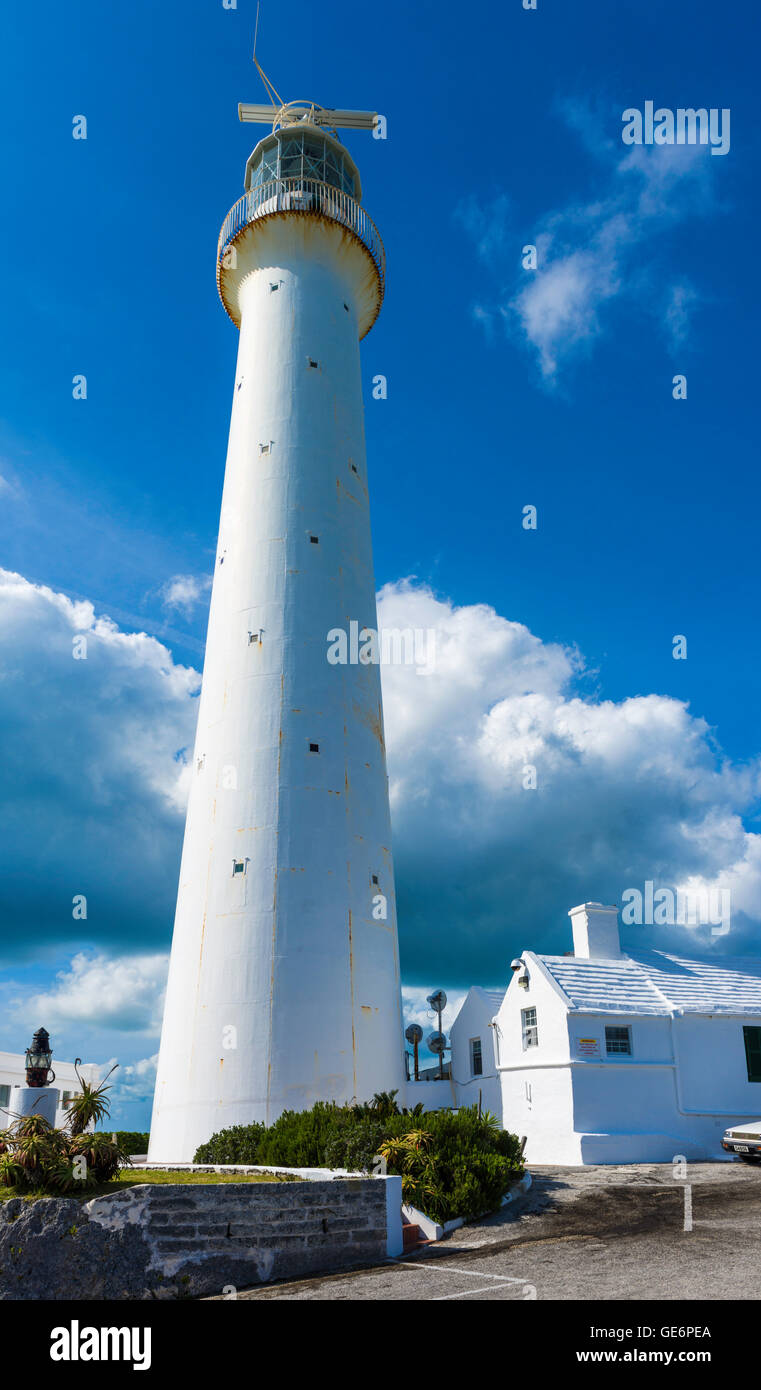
(36, 1096)
(38, 1059)
(414, 1035)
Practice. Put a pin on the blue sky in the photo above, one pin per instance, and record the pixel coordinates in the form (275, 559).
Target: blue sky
(506, 388)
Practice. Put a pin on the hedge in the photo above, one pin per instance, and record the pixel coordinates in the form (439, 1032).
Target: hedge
(132, 1141)
(452, 1163)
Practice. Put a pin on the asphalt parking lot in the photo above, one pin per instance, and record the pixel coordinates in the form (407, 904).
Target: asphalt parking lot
(598, 1233)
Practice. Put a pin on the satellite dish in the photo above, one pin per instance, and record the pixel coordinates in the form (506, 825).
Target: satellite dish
(414, 1033)
(437, 1001)
(436, 1042)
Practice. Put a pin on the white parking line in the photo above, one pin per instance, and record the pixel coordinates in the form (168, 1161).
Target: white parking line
(453, 1269)
(498, 1281)
(467, 1293)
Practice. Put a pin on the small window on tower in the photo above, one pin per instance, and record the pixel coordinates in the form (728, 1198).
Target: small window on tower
(375, 879)
(312, 363)
(346, 307)
(315, 540)
(266, 448)
(314, 747)
(239, 866)
(274, 285)
(354, 469)
(255, 636)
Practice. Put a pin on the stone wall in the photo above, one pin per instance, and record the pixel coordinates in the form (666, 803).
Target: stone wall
(183, 1240)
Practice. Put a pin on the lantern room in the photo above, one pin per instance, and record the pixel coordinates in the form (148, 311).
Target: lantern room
(302, 151)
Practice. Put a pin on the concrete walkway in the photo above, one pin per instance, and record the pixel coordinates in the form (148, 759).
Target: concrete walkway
(597, 1233)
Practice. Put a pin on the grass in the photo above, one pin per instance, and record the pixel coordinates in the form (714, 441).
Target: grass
(131, 1177)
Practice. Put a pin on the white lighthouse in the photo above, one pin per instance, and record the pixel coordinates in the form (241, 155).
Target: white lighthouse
(284, 977)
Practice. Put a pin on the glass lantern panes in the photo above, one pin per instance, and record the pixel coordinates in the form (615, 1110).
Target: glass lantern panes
(314, 158)
(295, 156)
(270, 164)
(291, 155)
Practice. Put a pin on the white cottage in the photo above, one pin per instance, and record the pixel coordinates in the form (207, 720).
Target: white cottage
(473, 1066)
(612, 1058)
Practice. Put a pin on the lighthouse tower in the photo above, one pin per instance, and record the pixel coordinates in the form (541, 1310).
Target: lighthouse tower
(284, 976)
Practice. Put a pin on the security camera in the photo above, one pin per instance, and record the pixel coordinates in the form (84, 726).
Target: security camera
(517, 964)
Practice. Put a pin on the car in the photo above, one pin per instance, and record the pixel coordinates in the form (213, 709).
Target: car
(744, 1140)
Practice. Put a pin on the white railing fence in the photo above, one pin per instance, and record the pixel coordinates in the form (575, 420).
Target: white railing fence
(309, 196)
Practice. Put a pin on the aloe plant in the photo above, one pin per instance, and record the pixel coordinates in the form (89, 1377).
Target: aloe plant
(91, 1105)
(34, 1155)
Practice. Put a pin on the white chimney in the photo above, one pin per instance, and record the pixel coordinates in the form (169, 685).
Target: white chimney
(595, 932)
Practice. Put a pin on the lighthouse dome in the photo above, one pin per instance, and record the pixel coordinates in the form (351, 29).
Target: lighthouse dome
(303, 151)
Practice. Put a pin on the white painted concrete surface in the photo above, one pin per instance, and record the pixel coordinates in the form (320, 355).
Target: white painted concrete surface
(34, 1100)
(474, 1020)
(284, 980)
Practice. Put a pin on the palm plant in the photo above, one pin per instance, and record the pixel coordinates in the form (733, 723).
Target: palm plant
(384, 1104)
(90, 1105)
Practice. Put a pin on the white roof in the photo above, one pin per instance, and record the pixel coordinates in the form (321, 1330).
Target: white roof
(657, 982)
(494, 996)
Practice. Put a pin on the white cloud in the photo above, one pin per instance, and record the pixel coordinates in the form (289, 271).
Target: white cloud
(94, 754)
(8, 488)
(680, 302)
(489, 234)
(626, 792)
(130, 1085)
(184, 592)
(124, 993)
(591, 253)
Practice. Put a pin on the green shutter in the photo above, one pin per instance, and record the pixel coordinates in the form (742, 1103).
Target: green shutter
(753, 1052)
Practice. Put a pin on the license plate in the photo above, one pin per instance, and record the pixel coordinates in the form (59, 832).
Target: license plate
(741, 1149)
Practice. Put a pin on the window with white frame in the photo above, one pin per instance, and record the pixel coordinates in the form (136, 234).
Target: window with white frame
(618, 1042)
(5, 1100)
(476, 1058)
(530, 1031)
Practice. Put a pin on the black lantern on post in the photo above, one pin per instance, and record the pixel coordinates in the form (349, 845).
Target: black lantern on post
(38, 1059)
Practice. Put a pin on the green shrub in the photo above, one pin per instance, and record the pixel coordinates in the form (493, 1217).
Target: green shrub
(237, 1145)
(132, 1141)
(298, 1138)
(356, 1144)
(451, 1163)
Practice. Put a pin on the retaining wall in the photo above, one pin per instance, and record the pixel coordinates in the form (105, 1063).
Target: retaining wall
(182, 1240)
